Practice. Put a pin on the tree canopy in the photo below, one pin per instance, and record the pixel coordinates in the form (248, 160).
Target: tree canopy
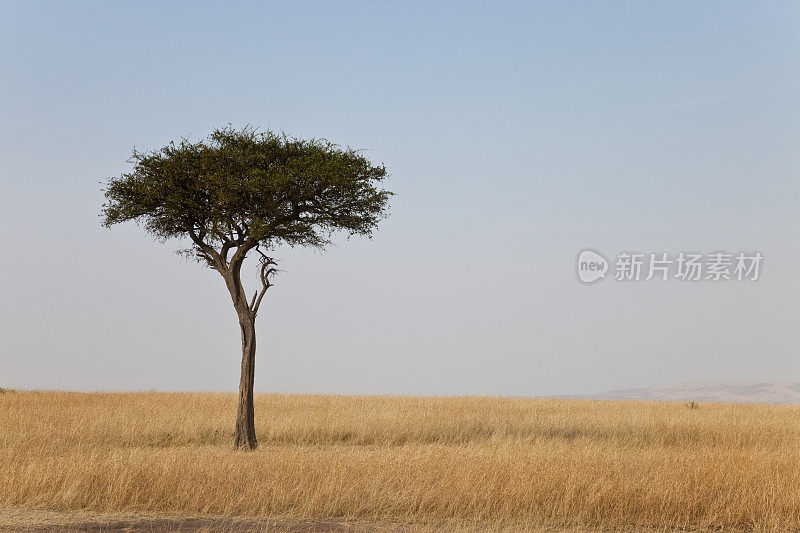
(238, 189)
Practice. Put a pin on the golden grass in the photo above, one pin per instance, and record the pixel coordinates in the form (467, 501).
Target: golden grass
(515, 463)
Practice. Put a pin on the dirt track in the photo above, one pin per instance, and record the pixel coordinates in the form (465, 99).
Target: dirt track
(40, 521)
(200, 525)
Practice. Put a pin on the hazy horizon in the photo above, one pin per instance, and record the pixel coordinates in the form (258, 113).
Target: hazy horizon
(515, 135)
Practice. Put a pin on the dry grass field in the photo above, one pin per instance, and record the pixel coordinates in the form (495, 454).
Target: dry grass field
(511, 464)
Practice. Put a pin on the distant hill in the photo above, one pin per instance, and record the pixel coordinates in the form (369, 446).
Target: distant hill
(774, 393)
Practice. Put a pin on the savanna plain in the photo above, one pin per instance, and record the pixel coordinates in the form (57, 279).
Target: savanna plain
(358, 463)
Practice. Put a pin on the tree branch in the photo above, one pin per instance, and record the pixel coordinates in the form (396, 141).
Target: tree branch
(267, 269)
(241, 251)
(208, 250)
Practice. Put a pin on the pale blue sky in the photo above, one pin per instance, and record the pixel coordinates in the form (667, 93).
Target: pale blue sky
(516, 135)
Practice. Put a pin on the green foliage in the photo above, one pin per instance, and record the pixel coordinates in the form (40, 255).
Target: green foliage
(238, 189)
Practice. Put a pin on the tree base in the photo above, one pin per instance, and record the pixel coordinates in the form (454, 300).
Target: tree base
(245, 445)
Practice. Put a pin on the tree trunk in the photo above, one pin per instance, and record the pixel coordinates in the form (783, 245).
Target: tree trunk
(245, 437)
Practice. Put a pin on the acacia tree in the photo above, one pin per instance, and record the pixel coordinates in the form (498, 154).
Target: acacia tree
(239, 191)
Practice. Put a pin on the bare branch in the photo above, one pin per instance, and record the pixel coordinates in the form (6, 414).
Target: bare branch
(253, 301)
(268, 269)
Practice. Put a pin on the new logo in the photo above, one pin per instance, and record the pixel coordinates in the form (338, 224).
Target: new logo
(591, 266)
